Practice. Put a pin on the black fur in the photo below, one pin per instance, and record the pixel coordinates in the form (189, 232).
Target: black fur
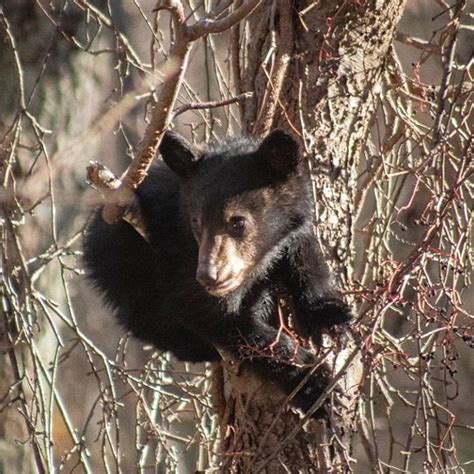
(152, 286)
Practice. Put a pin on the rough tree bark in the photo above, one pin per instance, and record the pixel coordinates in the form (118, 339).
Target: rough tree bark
(314, 68)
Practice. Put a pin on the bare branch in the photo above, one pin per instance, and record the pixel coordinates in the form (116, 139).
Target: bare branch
(208, 26)
(175, 7)
(418, 43)
(278, 70)
(105, 20)
(448, 70)
(107, 183)
(212, 104)
(19, 69)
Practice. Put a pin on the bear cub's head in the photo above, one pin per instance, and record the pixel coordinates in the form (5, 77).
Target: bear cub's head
(244, 200)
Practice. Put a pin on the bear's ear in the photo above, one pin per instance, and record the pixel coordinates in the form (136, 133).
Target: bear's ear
(281, 151)
(180, 155)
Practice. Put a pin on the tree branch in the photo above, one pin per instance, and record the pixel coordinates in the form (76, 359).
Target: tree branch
(207, 26)
(418, 43)
(175, 8)
(278, 71)
(212, 104)
(162, 114)
(111, 188)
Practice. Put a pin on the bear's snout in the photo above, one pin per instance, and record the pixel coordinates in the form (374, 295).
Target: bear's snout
(206, 274)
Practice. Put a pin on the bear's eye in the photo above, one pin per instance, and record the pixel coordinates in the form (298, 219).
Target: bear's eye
(237, 225)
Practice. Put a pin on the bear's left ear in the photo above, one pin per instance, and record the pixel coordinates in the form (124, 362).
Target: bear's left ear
(281, 151)
(180, 155)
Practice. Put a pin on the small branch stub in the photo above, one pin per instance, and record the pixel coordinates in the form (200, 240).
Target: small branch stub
(101, 177)
(107, 183)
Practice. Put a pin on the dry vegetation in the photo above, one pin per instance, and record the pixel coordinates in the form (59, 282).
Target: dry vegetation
(79, 79)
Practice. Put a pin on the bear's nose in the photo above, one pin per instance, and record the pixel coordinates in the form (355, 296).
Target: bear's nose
(206, 274)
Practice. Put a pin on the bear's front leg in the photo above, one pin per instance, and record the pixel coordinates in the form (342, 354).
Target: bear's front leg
(316, 303)
(276, 358)
(329, 313)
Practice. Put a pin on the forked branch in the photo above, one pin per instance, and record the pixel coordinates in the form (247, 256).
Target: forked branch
(119, 198)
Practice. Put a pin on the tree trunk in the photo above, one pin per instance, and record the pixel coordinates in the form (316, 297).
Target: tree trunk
(314, 69)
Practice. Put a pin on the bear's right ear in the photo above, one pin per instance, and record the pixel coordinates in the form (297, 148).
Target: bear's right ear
(281, 152)
(180, 155)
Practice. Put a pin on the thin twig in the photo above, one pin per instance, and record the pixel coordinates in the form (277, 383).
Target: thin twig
(212, 104)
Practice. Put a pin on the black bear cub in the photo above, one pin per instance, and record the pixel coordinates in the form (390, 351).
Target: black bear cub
(230, 231)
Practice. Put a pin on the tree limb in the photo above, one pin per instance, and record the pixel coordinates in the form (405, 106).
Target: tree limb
(212, 104)
(162, 114)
